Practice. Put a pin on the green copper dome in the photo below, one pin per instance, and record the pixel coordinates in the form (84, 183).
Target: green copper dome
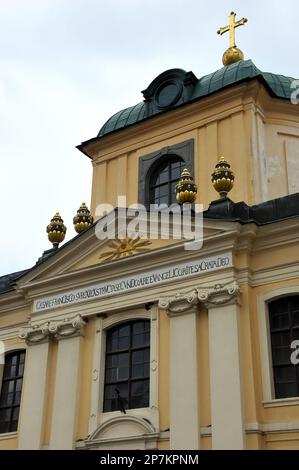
(278, 86)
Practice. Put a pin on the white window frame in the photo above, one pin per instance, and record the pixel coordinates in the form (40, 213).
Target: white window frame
(97, 417)
(9, 348)
(263, 300)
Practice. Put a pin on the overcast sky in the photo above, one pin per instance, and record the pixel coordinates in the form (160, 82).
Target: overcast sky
(67, 65)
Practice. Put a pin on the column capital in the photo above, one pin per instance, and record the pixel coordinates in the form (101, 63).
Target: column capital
(179, 304)
(67, 327)
(35, 334)
(219, 294)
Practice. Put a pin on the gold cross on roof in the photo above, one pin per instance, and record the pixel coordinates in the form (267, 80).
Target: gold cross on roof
(231, 28)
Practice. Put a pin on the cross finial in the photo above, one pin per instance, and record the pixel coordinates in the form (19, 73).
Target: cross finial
(233, 54)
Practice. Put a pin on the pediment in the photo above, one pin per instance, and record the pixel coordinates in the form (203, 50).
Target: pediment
(124, 432)
(87, 251)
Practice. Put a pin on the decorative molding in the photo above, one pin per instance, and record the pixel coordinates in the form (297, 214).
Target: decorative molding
(281, 402)
(68, 327)
(35, 334)
(8, 435)
(219, 294)
(180, 303)
(112, 319)
(39, 333)
(123, 432)
(210, 297)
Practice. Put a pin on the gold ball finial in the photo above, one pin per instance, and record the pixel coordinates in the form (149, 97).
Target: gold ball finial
(186, 189)
(223, 177)
(56, 230)
(232, 55)
(83, 219)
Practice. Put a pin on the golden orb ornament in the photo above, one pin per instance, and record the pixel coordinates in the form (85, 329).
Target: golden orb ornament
(186, 189)
(223, 177)
(83, 219)
(56, 230)
(232, 55)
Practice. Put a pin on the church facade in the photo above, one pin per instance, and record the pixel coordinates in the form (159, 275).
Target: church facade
(143, 344)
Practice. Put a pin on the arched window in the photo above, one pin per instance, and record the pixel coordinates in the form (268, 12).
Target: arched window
(284, 329)
(127, 366)
(164, 179)
(11, 390)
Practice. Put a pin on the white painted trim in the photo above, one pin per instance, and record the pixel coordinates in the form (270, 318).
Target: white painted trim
(8, 435)
(103, 323)
(281, 402)
(226, 378)
(66, 394)
(264, 336)
(32, 411)
(259, 428)
(292, 426)
(183, 385)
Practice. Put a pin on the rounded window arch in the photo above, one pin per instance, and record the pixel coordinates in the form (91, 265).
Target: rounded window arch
(163, 179)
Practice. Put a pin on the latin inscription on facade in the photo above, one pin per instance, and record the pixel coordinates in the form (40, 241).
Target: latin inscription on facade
(132, 282)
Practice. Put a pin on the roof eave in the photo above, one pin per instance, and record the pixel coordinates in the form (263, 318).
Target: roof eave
(83, 147)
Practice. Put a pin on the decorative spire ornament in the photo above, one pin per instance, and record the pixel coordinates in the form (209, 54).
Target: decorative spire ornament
(223, 177)
(56, 230)
(83, 219)
(232, 54)
(186, 189)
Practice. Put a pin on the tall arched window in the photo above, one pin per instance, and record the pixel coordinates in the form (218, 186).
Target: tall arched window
(11, 390)
(284, 329)
(127, 366)
(164, 179)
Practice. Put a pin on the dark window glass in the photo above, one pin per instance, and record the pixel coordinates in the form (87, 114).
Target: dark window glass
(127, 366)
(11, 390)
(163, 181)
(284, 329)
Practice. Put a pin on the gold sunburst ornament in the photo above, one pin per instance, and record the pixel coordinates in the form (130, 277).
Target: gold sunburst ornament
(126, 247)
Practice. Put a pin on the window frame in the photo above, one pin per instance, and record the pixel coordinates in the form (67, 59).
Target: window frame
(263, 300)
(130, 351)
(10, 349)
(148, 163)
(290, 331)
(167, 164)
(103, 324)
